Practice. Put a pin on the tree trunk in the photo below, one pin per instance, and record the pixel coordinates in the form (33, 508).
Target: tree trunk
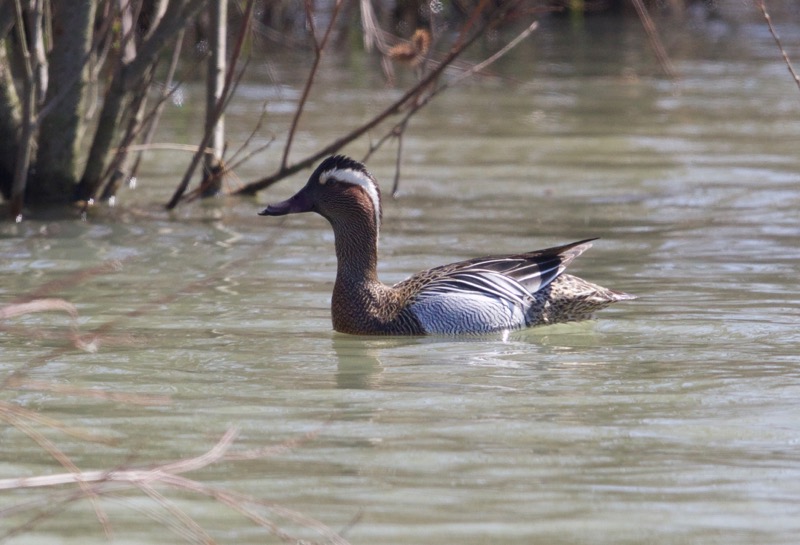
(119, 164)
(29, 93)
(124, 81)
(10, 111)
(62, 127)
(215, 83)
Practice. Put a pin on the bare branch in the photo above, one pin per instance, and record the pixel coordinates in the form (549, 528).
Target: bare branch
(123, 475)
(394, 108)
(126, 77)
(66, 462)
(319, 47)
(233, 159)
(178, 517)
(398, 158)
(150, 121)
(67, 390)
(102, 483)
(762, 4)
(9, 412)
(655, 40)
(226, 90)
(399, 128)
(72, 279)
(38, 305)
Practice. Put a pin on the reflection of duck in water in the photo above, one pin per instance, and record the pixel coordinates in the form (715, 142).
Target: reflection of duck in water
(480, 295)
(357, 365)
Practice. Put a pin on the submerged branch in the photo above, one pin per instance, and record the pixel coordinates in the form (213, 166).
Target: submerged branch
(11, 412)
(107, 483)
(48, 446)
(38, 305)
(154, 473)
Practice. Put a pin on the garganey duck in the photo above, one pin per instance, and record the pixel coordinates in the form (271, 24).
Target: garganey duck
(481, 295)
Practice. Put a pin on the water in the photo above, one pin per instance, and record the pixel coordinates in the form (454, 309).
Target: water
(670, 419)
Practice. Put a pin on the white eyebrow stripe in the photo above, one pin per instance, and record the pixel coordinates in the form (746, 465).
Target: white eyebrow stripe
(355, 177)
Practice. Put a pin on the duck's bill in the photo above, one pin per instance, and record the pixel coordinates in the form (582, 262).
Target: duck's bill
(295, 205)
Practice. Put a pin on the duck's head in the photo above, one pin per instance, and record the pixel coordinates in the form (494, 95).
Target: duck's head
(341, 189)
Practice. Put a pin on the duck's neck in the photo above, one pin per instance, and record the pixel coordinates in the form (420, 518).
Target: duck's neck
(356, 253)
(359, 299)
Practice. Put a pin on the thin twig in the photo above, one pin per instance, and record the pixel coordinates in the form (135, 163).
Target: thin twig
(178, 518)
(216, 173)
(398, 159)
(472, 21)
(124, 475)
(655, 40)
(226, 89)
(72, 279)
(762, 4)
(228, 169)
(165, 146)
(233, 159)
(493, 58)
(101, 332)
(319, 47)
(50, 447)
(114, 172)
(399, 128)
(10, 411)
(239, 503)
(160, 512)
(45, 509)
(274, 450)
(38, 305)
(151, 120)
(394, 108)
(101, 483)
(65, 389)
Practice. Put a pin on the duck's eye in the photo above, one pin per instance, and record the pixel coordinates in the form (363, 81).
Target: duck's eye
(327, 179)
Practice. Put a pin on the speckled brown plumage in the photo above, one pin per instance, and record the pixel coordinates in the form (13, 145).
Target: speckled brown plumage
(474, 296)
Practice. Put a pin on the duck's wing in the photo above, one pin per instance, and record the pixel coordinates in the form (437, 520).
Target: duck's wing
(513, 278)
(484, 294)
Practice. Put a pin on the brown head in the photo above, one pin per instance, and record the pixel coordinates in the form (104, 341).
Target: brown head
(341, 190)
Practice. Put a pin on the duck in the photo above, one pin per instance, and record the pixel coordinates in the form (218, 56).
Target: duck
(495, 293)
